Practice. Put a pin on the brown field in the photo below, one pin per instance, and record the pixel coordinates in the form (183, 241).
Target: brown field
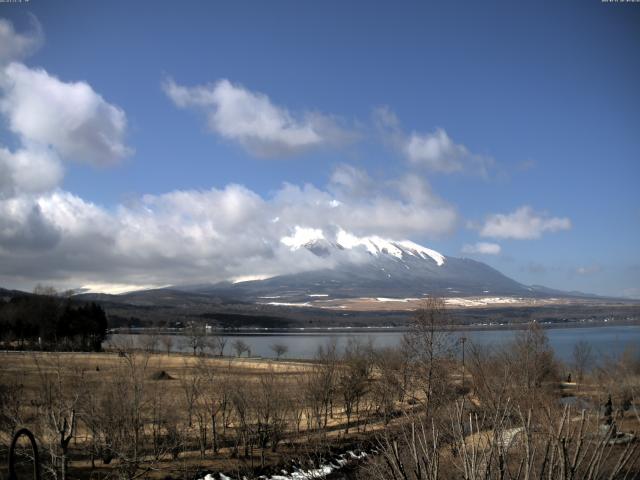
(381, 304)
(172, 378)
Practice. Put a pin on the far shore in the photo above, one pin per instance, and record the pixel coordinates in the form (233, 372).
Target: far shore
(265, 331)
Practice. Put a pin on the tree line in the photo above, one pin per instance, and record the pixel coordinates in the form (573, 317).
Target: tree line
(47, 320)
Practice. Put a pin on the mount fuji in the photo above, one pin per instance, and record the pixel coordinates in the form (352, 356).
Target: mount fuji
(372, 267)
(346, 280)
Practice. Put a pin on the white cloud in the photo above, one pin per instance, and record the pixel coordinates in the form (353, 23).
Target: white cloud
(24, 228)
(395, 208)
(302, 236)
(588, 270)
(524, 223)
(349, 180)
(483, 248)
(198, 236)
(252, 120)
(69, 117)
(15, 45)
(28, 171)
(434, 151)
(52, 120)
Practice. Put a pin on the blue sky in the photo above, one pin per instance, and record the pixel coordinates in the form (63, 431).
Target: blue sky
(517, 121)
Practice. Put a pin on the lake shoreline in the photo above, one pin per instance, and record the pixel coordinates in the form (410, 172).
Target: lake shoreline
(605, 339)
(293, 331)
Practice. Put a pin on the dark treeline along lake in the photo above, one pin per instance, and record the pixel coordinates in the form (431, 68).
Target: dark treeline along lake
(605, 341)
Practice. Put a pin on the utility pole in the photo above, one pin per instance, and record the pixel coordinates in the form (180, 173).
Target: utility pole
(463, 339)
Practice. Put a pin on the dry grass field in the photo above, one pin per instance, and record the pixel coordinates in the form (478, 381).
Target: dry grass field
(250, 398)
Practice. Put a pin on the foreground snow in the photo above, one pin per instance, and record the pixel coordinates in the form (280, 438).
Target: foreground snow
(303, 474)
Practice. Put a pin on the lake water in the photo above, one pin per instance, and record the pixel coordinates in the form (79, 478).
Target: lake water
(605, 341)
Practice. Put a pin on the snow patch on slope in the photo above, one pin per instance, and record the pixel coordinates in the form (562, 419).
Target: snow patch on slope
(249, 278)
(116, 288)
(310, 237)
(376, 245)
(415, 249)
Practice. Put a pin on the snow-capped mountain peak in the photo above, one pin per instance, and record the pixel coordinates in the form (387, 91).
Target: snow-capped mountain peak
(310, 238)
(414, 249)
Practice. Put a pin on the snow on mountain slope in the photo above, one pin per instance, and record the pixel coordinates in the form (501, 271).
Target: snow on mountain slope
(376, 246)
(419, 250)
(316, 241)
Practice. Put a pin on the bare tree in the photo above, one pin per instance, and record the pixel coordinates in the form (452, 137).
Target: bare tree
(45, 290)
(514, 446)
(120, 419)
(162, 416)
(391, 383)
(492, 373)
(240, 346)
(431, 346)
(240, 399)
(279, 349)
(60, 393)
(524, 370)
(619, 377)
(214, 394)
(218, 343)
(150, 341)
(270, 408)
(12, 408)
(322, 381)
(533, 360)
(167, 342)
(190, 382)
(582, 358)
(196, 338)
(353, 378)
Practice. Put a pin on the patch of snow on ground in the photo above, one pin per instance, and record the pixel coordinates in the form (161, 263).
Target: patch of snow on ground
(314, 473)
(480, 301)
(404, 300)
(286, 304)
